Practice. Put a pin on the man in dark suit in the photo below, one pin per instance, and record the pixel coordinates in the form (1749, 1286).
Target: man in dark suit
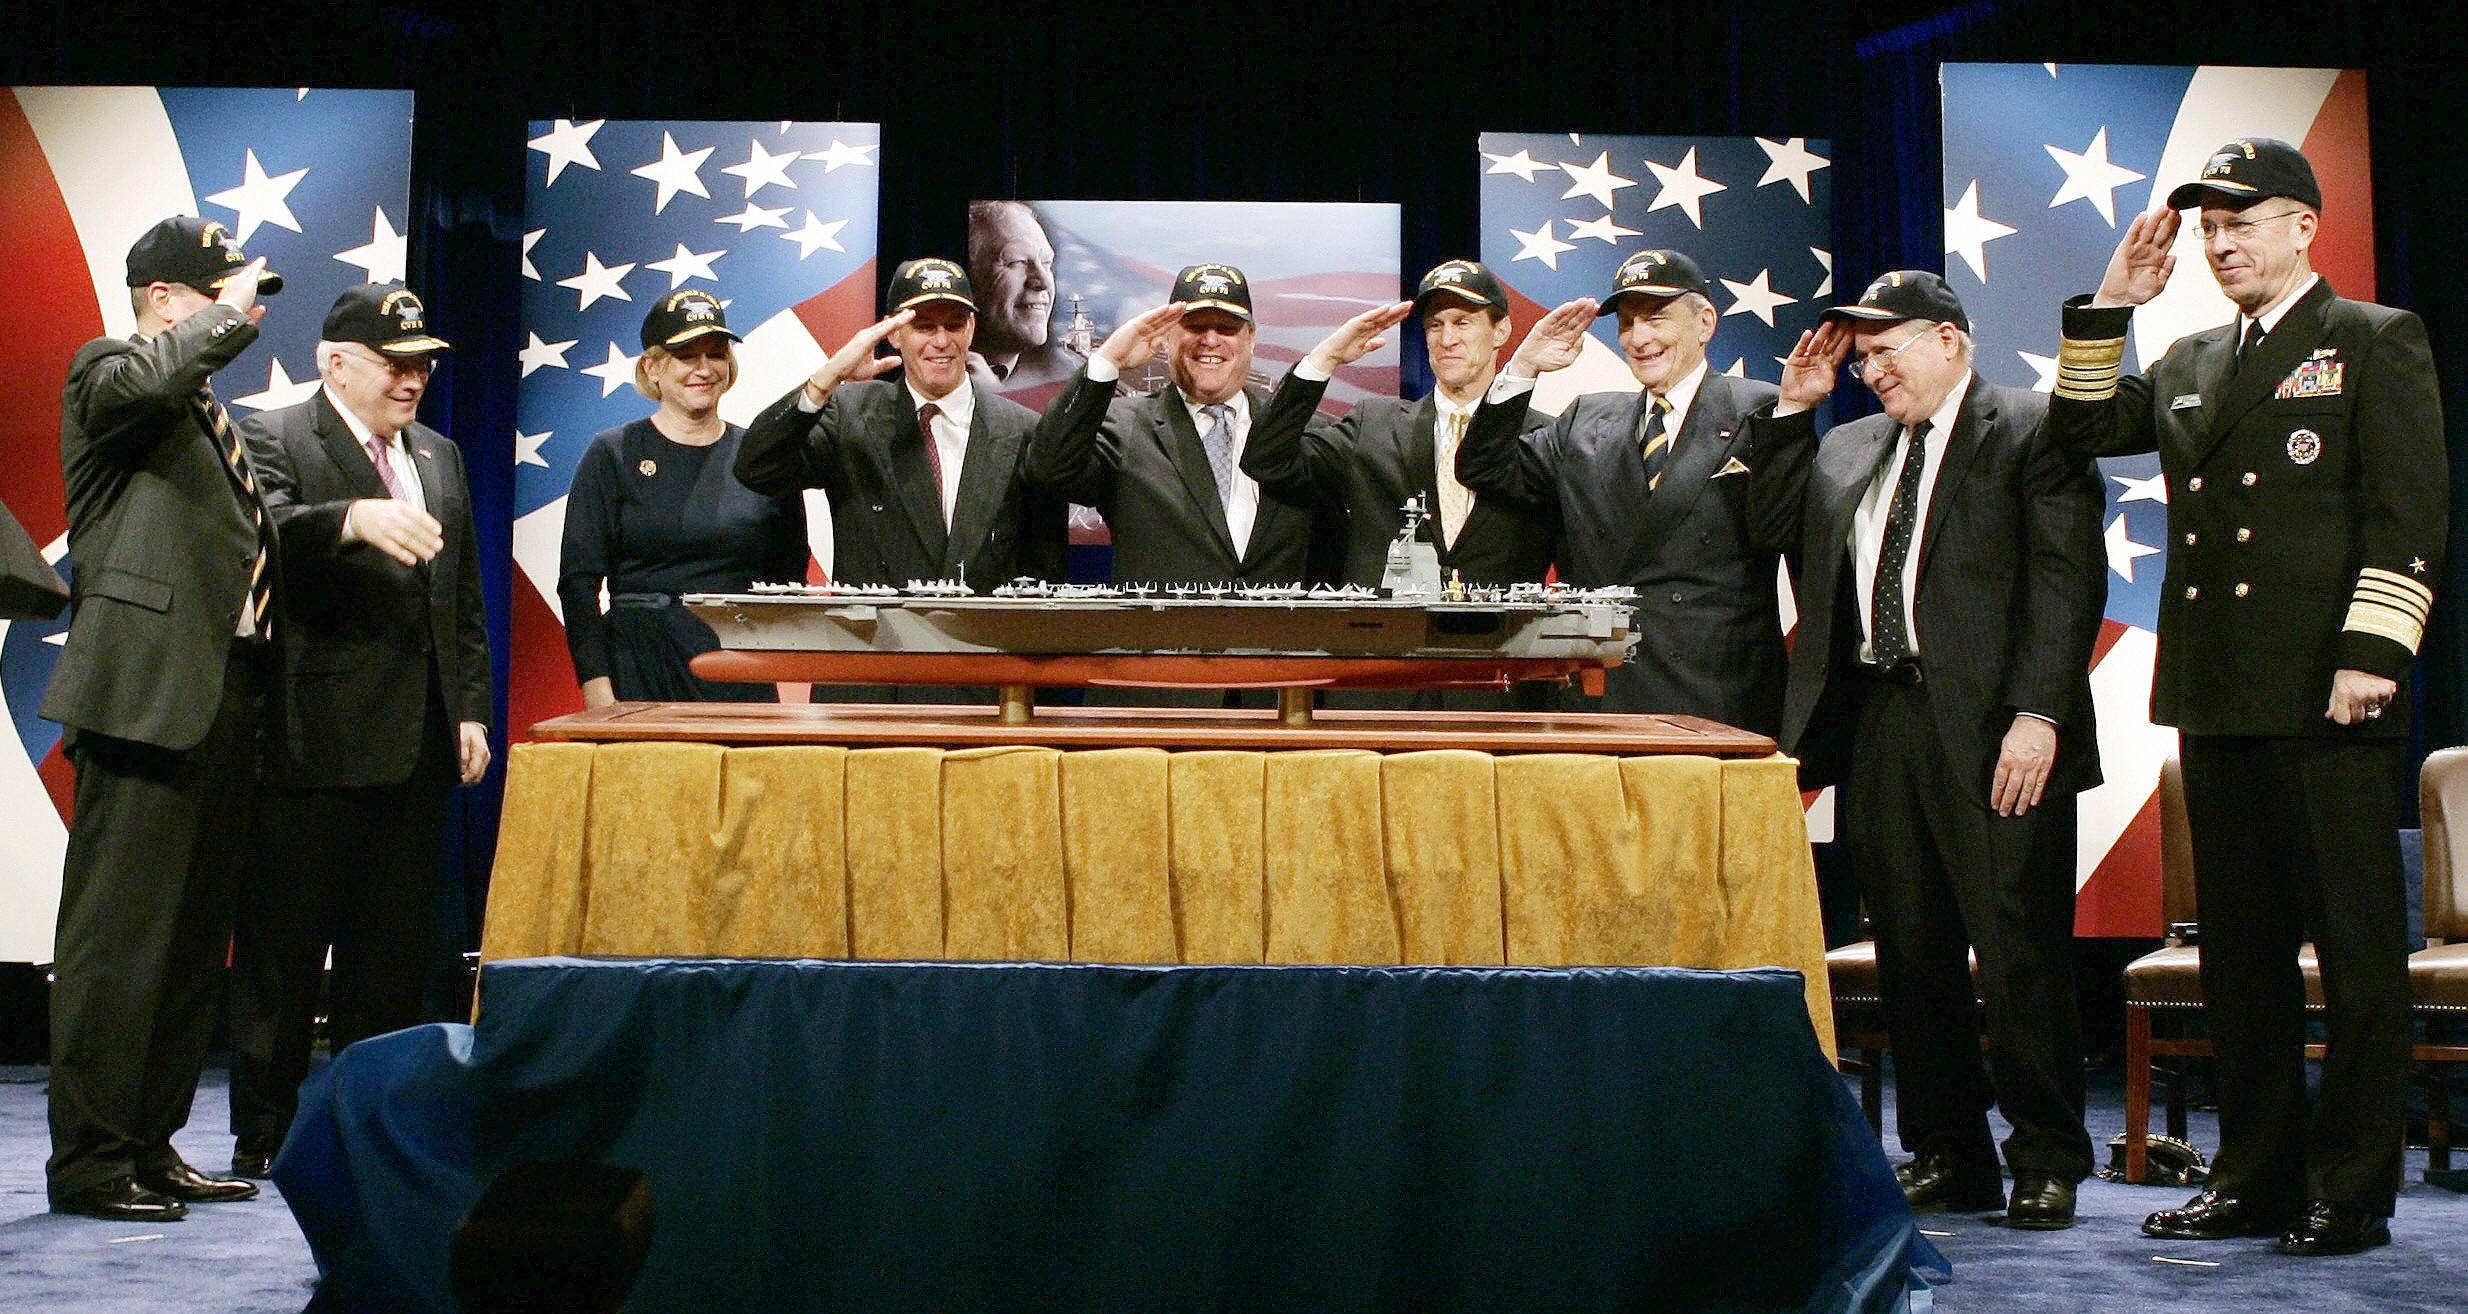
(2304, 453)
(385, 668)
(1651, 491)
(1951, 582)
(1365, 466)
(161, 687)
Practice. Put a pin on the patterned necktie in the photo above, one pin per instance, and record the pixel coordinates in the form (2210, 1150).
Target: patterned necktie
(1456, 500)
(2252, 339)
(1219, 443)
(933, 450)
(1655, 441)
(384, 462)
(1889, 628)
(255, 620)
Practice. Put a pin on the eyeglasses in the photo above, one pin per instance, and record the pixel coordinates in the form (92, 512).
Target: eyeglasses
(401, 367)
(2240, 231)
(1858, 365)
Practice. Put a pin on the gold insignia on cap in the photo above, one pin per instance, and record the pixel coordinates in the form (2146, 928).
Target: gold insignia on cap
(1451, 272)
(213, 234)
(934, 277)
(1214, 285)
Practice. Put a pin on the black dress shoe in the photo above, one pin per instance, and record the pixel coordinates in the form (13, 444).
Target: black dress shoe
(1936, 1180)
(122, 1201)
(2041, 1204)
(181, 1182)
(2332, 1229)
(252, 1163)
(2212, 1216)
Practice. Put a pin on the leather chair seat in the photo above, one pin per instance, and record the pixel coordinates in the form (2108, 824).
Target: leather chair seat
(2438, 978)
(2172, 977)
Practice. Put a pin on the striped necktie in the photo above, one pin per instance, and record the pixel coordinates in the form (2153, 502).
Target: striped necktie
(256, 620)
(1655, 441)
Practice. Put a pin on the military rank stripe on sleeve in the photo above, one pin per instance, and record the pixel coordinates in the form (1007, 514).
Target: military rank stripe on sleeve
(2391, 605)
(2087, 369)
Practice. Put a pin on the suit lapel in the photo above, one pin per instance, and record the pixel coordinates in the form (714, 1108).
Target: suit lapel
(1181, 442)
(1704, 441)
(985, 475)
(351, 460)
(2299, 332)
(1971, 421)
(912, 478)
(1866, 451)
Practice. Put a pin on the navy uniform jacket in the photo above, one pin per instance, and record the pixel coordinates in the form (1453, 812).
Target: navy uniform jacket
(1706, 605)
(2307, 495)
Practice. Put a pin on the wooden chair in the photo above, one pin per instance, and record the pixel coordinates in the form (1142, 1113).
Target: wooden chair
(2438, 974)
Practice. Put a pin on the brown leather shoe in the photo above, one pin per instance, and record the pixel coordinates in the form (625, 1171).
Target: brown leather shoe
(2333, 1229)
(2212, 1216)
(2040, 1204)
(181, 1182)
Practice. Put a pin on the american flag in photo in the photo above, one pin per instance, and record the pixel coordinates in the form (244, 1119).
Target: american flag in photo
(2044, 166)
(777, 218)
(318, 182)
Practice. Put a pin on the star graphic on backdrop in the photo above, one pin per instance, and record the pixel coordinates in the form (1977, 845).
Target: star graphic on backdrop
(2090, 177)
(755, 216)
(280, 390)
(299, 94)
(688, 264)
(1595, 180)
(1521, 164)
(2122, 550)
(1539, 245)
(530, 240)
(1739, 368)
(816, 235)
(615, 372)
(1825, 258)
(567, 143)
(2043, 370)
(537, 355)
(763, 169)
(1791, 161)
(385, 257)
(1682, 187)
(676, 171)
(1605, 229)
(527, 448)
(2153, 489)
(842, 153)
(1757, 297)
(260, 199)
(1968, 235)
(598, 280)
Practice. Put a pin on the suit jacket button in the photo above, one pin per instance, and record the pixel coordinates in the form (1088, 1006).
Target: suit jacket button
(2191, 539)
(2244, 535)
(2192, 593)
(2244, 588)
(1675, 596)
(2194, 485)
(2250, 477)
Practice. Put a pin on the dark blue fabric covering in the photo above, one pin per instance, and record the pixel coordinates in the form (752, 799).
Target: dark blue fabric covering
(852, 1136)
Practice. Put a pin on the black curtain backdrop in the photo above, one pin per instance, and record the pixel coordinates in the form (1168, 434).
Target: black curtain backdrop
(1274, 101)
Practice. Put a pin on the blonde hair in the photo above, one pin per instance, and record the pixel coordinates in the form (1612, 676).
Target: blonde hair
(644, 384)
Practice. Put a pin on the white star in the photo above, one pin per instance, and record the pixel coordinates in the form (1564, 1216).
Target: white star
(598, 280)
(260, 199)
(1521, 164)
(841, 153)
(2090, 177)
(1791, 161)
(57, 639)
(816, 235)
(568, 143)
(1604, 229)
(1756, 297)
(688, 264)
(530, 240)
(538, 355)
(1682, 187)
(1595, 180)
(2122, 550)
(527, 448)
(2043, 370)
(2153, 489)
(1739, 368)
(676, 171)
(385, 257)
(1539, 245)
(762, 168)
(753, 217)
(1968, 235)
(1825, 258)
(280, 390)
(615, 372)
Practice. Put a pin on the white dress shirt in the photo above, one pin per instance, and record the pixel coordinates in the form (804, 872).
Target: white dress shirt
(1868, 521)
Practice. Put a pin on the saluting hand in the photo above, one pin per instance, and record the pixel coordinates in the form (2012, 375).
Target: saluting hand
(1141, 336)
(856, 359)
(1555, 341)
(240, 291)
(1808, 373)
(2142, 262)
(2023, 763)
(1358, 337)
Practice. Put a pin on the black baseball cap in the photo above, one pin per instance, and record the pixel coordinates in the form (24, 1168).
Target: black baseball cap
(1463, 279)
(682, 316)
(932, 278)
(2251, 169)
(193, 252)
(1906, 294)
(1213, 287)
(385, 316)
(1657, 274)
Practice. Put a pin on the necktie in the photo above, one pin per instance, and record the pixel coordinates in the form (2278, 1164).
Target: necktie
(1219, 443)
(1455, 499)
(385, 466)
(1889, 629)
(1655, 441)
(2252, 339)
(253, 620)
(933, 449)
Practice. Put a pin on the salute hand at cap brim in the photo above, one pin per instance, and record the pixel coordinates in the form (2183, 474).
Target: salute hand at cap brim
(240, 290)
(1141, 336)
(1555, 341)
(1808, 373)
(855, 360)
(2142, 262)
(1358, 337)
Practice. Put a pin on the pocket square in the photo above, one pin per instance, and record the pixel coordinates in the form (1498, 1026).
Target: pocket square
(1731, 467)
